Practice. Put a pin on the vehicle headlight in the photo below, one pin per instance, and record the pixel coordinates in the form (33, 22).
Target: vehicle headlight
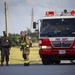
(40, 42)
(73, 46)
(45, 47)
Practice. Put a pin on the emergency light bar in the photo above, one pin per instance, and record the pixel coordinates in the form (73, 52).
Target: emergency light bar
(73, 12)
(49, 13)
(52, 13)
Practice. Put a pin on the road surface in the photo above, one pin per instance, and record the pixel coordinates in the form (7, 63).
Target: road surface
(38, 69)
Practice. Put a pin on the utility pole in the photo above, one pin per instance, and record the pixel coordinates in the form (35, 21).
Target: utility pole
(32, 18)
(6, 17)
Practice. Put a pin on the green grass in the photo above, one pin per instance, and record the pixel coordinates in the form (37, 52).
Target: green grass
(16, 56)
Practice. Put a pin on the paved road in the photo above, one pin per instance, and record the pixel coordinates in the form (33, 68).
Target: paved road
(38, 69)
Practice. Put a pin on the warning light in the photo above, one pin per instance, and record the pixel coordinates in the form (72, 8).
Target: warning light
(49, 13)
(73, 12)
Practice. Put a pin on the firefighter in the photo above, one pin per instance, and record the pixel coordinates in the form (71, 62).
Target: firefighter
(5, 48)
(24, 47)
(64, 13)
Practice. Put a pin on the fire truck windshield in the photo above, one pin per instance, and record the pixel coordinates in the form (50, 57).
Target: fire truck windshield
(58, 27)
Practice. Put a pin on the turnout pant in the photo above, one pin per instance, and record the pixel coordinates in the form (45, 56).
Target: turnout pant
(25, 55)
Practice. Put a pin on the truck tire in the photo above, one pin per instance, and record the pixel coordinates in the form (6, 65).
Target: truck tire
(57, 62)
(45, 60)
(51, 61)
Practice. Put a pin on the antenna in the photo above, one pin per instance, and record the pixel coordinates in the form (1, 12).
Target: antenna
(32, 18)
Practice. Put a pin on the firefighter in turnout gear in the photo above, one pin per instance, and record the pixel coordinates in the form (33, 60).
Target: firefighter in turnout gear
(24, 47)
(5, 48)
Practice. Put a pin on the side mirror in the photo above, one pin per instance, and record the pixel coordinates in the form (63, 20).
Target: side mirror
(34, 25)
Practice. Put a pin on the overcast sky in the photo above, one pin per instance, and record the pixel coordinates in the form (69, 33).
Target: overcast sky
(19, 12)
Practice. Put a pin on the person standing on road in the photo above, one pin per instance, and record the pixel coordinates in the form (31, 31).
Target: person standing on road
(5, 48)
(24, 47)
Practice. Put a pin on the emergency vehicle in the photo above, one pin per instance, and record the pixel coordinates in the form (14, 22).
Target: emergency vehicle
(56, 37)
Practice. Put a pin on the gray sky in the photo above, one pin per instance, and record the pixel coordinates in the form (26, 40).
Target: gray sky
(19, 12)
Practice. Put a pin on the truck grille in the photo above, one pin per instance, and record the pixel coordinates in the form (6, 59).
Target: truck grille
(61, 44)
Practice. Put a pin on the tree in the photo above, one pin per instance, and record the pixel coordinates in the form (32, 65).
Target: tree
(28, 31)
(33, 35)
(15, 39)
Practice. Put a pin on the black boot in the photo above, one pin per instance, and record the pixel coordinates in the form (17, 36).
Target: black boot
(7, 64)
(1, 63)
(26, 64)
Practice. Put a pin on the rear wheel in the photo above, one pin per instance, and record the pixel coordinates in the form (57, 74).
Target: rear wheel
(57, 61)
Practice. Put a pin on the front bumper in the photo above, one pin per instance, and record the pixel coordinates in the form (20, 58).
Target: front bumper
(56, 51)
(63, 54)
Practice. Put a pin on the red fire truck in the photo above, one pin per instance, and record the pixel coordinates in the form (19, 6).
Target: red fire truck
(56, 37)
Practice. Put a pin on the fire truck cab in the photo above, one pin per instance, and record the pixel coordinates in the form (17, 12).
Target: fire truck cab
(56, 37)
